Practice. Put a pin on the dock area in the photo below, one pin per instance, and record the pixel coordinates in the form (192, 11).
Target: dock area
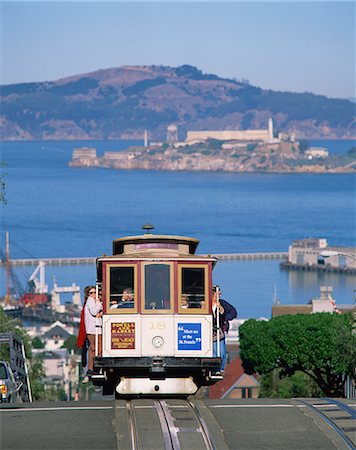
(317, 268)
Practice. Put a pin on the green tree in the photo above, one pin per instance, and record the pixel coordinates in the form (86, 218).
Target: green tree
(37, 373)
(321, 346)
(9, 325)
(36, 370)
(214, 144)
(37, 343)
(71, 344)
(297, 385)
(54, 393)
(251, 147)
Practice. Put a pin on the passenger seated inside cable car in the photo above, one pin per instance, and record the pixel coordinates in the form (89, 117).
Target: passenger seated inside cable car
(161, 284)
(184, 302)
(126, 300)
(121, 287)
(193, 288)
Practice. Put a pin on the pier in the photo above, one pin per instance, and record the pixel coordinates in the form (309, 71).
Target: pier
(91, 260)
(52, 261)
(250, 256)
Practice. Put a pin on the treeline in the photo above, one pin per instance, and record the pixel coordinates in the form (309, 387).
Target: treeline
(300, 355)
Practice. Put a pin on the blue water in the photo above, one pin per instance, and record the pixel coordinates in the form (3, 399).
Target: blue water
(54, 210)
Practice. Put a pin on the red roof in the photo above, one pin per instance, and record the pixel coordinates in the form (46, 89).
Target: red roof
(233, 372)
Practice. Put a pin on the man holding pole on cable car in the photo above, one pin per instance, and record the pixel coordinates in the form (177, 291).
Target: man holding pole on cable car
(223, 311)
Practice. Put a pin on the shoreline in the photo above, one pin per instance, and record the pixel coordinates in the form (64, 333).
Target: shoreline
(262, 172)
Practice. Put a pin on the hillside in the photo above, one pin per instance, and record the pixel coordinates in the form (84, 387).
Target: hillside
(120, 103)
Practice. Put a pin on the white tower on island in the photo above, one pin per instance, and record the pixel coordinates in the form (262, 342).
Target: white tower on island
(270, 128)
(172, 134)
(145, 139)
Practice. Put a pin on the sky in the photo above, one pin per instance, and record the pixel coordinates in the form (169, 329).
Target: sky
(284, 46)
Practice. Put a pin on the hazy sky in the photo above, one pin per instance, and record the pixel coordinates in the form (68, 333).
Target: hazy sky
(289, 46)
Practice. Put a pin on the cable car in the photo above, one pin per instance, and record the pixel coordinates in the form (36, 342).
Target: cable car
(157, 317)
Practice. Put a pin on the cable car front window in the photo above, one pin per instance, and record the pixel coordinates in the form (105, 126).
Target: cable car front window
(121, 287)
(157, 286)
(193, 287)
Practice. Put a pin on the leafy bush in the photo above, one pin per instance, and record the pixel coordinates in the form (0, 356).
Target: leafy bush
(296, 385)
(81, 86)
(37, 343)
(20, 88)
(141, 86)
(192, 72)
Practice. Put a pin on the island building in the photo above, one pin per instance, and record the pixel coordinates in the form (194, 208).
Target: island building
(316, 152)
(237, 135)
(84, 152)
(172, 134)
(306, 254)
(84, 157)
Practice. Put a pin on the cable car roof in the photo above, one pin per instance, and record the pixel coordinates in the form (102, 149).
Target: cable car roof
(153, 243)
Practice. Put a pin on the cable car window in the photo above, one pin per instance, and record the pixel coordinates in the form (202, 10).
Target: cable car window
(122, 287)
(193, 288)
(157, 293)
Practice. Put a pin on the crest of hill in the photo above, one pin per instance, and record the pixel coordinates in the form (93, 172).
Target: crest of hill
(120, 103)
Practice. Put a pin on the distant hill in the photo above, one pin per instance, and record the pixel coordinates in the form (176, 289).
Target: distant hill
(120, 103)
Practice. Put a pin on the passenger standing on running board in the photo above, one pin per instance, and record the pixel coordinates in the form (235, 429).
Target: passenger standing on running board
(223, 311)
(93, 324)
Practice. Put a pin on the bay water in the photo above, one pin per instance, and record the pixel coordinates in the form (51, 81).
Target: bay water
(54, 210)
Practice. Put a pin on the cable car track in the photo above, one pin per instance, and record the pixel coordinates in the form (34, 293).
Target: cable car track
(331, 410)
(179, 421)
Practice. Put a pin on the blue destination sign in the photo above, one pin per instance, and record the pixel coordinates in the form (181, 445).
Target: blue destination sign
(189, 336)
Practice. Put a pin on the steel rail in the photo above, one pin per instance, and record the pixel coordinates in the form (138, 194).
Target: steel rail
(167, 423)
(132, 423)
(169, 432)
(343, 406)
(209, 443)
(331, 423)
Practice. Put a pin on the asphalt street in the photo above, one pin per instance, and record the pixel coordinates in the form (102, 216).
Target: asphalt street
(248, 424)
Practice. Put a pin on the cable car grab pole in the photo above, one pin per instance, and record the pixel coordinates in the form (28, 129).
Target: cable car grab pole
(96, 323)
(218, 321)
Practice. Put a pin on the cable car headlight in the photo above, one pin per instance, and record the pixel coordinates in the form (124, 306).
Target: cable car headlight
(158, 341)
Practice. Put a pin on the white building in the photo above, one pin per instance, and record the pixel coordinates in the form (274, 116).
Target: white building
(55, 336)
(61, 370)
(233, 135)
(316, 152)
(309, 252)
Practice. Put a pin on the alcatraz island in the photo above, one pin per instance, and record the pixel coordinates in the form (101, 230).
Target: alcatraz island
(228, 151)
